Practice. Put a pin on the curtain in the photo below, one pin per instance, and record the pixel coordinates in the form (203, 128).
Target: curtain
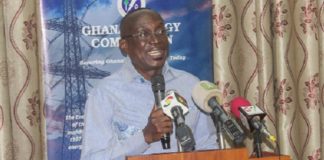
(22, 126)
(268, 51)
(271, 53)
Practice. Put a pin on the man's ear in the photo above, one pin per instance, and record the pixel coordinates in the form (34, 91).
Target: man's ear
(123, 46)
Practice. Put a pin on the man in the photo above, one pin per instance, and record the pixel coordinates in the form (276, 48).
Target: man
(121, 118)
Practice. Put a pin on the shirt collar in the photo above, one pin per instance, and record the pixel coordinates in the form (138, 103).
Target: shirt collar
(131, 73)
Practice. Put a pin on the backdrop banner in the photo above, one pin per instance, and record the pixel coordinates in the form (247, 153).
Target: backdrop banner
(81, 47)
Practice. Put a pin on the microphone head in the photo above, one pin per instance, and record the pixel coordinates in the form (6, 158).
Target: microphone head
(158, 83)
(236, 103)
(203, 92)
(171, 100)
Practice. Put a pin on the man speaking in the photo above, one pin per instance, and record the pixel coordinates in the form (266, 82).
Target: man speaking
(121, 116)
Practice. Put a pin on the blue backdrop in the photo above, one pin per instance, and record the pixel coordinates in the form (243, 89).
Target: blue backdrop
(81, 47)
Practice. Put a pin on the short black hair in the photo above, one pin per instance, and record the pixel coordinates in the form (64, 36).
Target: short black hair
(123, 21)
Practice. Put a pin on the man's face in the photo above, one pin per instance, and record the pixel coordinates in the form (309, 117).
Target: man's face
(146, 42)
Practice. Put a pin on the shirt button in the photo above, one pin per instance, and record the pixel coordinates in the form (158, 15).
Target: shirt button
(142, 80)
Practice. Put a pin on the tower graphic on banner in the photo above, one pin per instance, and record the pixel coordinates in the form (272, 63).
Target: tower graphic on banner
(74, 76)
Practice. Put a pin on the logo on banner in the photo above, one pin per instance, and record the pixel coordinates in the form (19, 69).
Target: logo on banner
(125, 6)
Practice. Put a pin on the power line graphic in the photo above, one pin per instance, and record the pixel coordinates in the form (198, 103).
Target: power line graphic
(74, 77)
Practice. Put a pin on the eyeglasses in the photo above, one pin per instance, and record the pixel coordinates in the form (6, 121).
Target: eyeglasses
(147, 35)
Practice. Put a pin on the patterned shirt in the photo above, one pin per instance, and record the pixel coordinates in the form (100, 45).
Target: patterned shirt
(118, 108)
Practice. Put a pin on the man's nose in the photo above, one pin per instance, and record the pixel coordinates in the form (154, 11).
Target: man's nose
(154, 38)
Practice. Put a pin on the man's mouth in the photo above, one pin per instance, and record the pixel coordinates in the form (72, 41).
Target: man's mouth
(155, 53)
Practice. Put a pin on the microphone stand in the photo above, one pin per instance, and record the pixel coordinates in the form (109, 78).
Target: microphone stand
(185, 141)
(257, 142)
(183, 133)
(219, 131)
(180, 149)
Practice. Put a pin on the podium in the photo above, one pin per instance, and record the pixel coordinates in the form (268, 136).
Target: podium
(226, 154)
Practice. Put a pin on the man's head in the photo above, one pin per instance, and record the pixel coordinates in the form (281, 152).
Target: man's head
(144, 40)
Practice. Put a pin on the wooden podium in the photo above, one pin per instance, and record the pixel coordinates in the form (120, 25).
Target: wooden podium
(226, 154)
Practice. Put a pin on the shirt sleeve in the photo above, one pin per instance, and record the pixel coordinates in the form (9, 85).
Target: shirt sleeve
(205, 133)
(100, 142)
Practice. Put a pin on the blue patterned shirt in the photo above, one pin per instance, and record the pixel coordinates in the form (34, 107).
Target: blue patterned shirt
(118, 108)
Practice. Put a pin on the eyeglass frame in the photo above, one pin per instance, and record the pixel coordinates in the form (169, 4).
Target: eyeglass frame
(146, 35)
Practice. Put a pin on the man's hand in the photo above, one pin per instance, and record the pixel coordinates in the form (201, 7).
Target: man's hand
(158, 124)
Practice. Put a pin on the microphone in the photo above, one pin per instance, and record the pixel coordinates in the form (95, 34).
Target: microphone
(250, 116)
(158, 88)
(206, 96)
(175, 106)
(173, 99)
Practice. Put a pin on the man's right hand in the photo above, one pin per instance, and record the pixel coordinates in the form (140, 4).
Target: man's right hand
(158, 124)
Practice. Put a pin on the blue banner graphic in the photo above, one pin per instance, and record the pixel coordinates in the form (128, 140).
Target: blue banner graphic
(81, 47)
